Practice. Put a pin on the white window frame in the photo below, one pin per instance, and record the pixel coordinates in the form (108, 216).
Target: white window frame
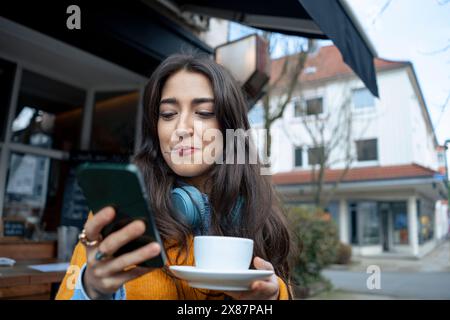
(364, 163)
(294, 102)
(303, 101)
(310, 166)
(303, 156)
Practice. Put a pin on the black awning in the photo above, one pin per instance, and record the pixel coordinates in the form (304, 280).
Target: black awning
(324, 19)
(128, 33)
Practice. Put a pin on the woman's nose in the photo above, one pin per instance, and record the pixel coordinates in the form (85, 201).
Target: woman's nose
(181, 133)
(185, 127)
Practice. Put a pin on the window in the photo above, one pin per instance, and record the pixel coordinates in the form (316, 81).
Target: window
(310, 70)
(7, 71)
(49, 113)
(316, 155)
(33, 189)
(114, 122)
(425, 213)
(400, 221)
(298, 157)
(367, 150)
(256, 115)
(308, 107)
(354, 230)
(298, 108)
(441, 158)
(314, 106)
(364, 223)
(370, 222)
(333, 210)
(362, 98)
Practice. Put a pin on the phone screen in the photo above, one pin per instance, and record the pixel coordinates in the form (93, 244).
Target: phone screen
(122, 187)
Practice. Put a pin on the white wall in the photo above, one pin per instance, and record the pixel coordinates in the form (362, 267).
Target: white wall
(394, 125)
(217, 33)
(424, 149)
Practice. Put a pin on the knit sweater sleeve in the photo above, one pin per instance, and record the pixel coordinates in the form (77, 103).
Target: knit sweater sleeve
(284, 291)
(68, 284)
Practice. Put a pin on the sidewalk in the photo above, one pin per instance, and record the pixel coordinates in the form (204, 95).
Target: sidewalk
(436, 261)
(426, 278)
(402, 285)
(346, 295)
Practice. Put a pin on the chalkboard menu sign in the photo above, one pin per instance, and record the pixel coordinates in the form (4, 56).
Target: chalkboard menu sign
(13, 228)
(74, 208)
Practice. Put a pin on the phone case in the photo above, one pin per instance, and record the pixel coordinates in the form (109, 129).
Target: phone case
(122, 187)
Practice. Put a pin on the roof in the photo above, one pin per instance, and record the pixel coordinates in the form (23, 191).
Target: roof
(356, 174)
(329, 64)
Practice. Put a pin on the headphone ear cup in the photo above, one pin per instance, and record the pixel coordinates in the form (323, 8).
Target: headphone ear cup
(183, 204)
(188, 201)
(237, 210)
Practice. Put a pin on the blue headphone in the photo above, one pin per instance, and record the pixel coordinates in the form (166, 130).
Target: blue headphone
(188, 201)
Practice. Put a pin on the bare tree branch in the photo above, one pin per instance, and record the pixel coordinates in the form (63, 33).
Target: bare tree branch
(441, 50)
(382, 10)
(442, 2)
(291, 75)
(443, 108)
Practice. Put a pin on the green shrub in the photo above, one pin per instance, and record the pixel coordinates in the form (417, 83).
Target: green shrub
(344, 254)
(316, 238)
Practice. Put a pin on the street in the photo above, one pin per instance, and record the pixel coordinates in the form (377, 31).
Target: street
(426, 278)
(417, 285)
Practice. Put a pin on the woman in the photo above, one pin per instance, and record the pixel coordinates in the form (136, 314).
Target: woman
(186, 98)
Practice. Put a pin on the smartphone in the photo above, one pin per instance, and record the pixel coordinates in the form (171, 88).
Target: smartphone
(122, 187)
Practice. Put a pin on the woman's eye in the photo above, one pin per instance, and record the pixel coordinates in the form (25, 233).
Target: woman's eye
(166, 115)
(205, 114)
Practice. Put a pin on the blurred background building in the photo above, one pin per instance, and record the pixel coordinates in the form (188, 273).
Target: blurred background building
(386, 166)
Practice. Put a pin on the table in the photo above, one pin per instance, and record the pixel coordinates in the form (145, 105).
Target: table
(22, 282)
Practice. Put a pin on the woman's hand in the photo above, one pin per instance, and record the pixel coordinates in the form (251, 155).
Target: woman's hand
(261, 289)
(105, 276)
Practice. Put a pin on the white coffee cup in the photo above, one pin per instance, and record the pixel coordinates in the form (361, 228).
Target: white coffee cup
(223, 253)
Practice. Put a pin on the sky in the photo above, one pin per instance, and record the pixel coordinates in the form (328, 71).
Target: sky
(416, 31)
(407, 30)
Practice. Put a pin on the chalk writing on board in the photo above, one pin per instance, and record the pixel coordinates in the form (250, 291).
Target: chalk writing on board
(13, 228)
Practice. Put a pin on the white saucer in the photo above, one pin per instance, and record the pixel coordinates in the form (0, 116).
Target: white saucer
(226, 280)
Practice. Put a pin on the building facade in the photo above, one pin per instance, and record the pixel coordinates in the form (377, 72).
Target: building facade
(383, 181)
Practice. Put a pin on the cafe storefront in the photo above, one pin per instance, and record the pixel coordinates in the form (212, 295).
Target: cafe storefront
(63, 103)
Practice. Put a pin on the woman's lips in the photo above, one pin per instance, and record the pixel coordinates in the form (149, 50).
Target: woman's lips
(185, 152)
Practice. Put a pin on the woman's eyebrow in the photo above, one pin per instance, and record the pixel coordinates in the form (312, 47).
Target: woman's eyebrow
(195, 101)
(202, 100)
(169, 101)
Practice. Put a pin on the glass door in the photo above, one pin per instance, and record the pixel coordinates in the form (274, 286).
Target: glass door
(114, 121)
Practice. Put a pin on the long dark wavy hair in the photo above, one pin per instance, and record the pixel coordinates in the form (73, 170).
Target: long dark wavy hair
(261, 216)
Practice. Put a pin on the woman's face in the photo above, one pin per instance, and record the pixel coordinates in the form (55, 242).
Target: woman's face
(186, 120)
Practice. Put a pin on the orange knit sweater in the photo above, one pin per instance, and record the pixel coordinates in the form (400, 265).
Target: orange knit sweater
(153, 285)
